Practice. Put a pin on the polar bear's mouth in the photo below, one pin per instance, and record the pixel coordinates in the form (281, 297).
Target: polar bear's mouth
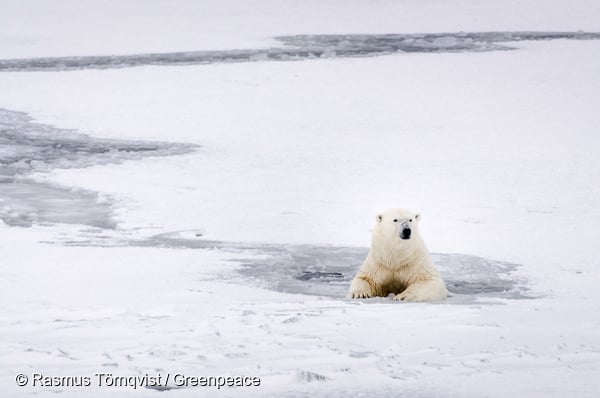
(405, 233)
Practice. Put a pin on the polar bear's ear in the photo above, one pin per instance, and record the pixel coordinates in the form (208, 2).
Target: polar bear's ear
(418, 217)
(379, 218)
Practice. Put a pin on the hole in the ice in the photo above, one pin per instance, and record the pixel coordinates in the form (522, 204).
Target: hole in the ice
(328, 270)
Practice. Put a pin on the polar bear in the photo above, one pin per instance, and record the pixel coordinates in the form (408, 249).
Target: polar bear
(398, 262)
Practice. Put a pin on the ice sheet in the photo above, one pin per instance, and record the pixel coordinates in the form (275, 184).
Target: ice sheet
(497, 149)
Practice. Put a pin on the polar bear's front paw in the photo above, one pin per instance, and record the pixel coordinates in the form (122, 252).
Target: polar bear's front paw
(405, 296)
(426, 291)
(360, 294)
(410, 295)
(360, 289)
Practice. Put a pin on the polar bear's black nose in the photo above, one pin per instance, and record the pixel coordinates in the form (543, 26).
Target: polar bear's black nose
(405, 233)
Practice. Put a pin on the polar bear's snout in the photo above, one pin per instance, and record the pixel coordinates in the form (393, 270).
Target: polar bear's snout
(405, 230)
(405, 234)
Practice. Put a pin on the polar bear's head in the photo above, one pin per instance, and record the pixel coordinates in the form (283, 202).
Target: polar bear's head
(397, 224)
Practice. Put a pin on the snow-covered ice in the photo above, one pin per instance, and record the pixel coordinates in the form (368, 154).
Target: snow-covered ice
(205, 219)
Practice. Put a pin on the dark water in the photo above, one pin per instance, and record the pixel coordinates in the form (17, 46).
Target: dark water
(27, 147)
(304, 47)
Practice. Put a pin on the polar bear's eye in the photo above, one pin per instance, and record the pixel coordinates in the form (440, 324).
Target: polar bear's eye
(395, 220)
(410, 220)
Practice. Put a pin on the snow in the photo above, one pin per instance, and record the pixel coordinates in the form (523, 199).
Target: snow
(498, 150)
